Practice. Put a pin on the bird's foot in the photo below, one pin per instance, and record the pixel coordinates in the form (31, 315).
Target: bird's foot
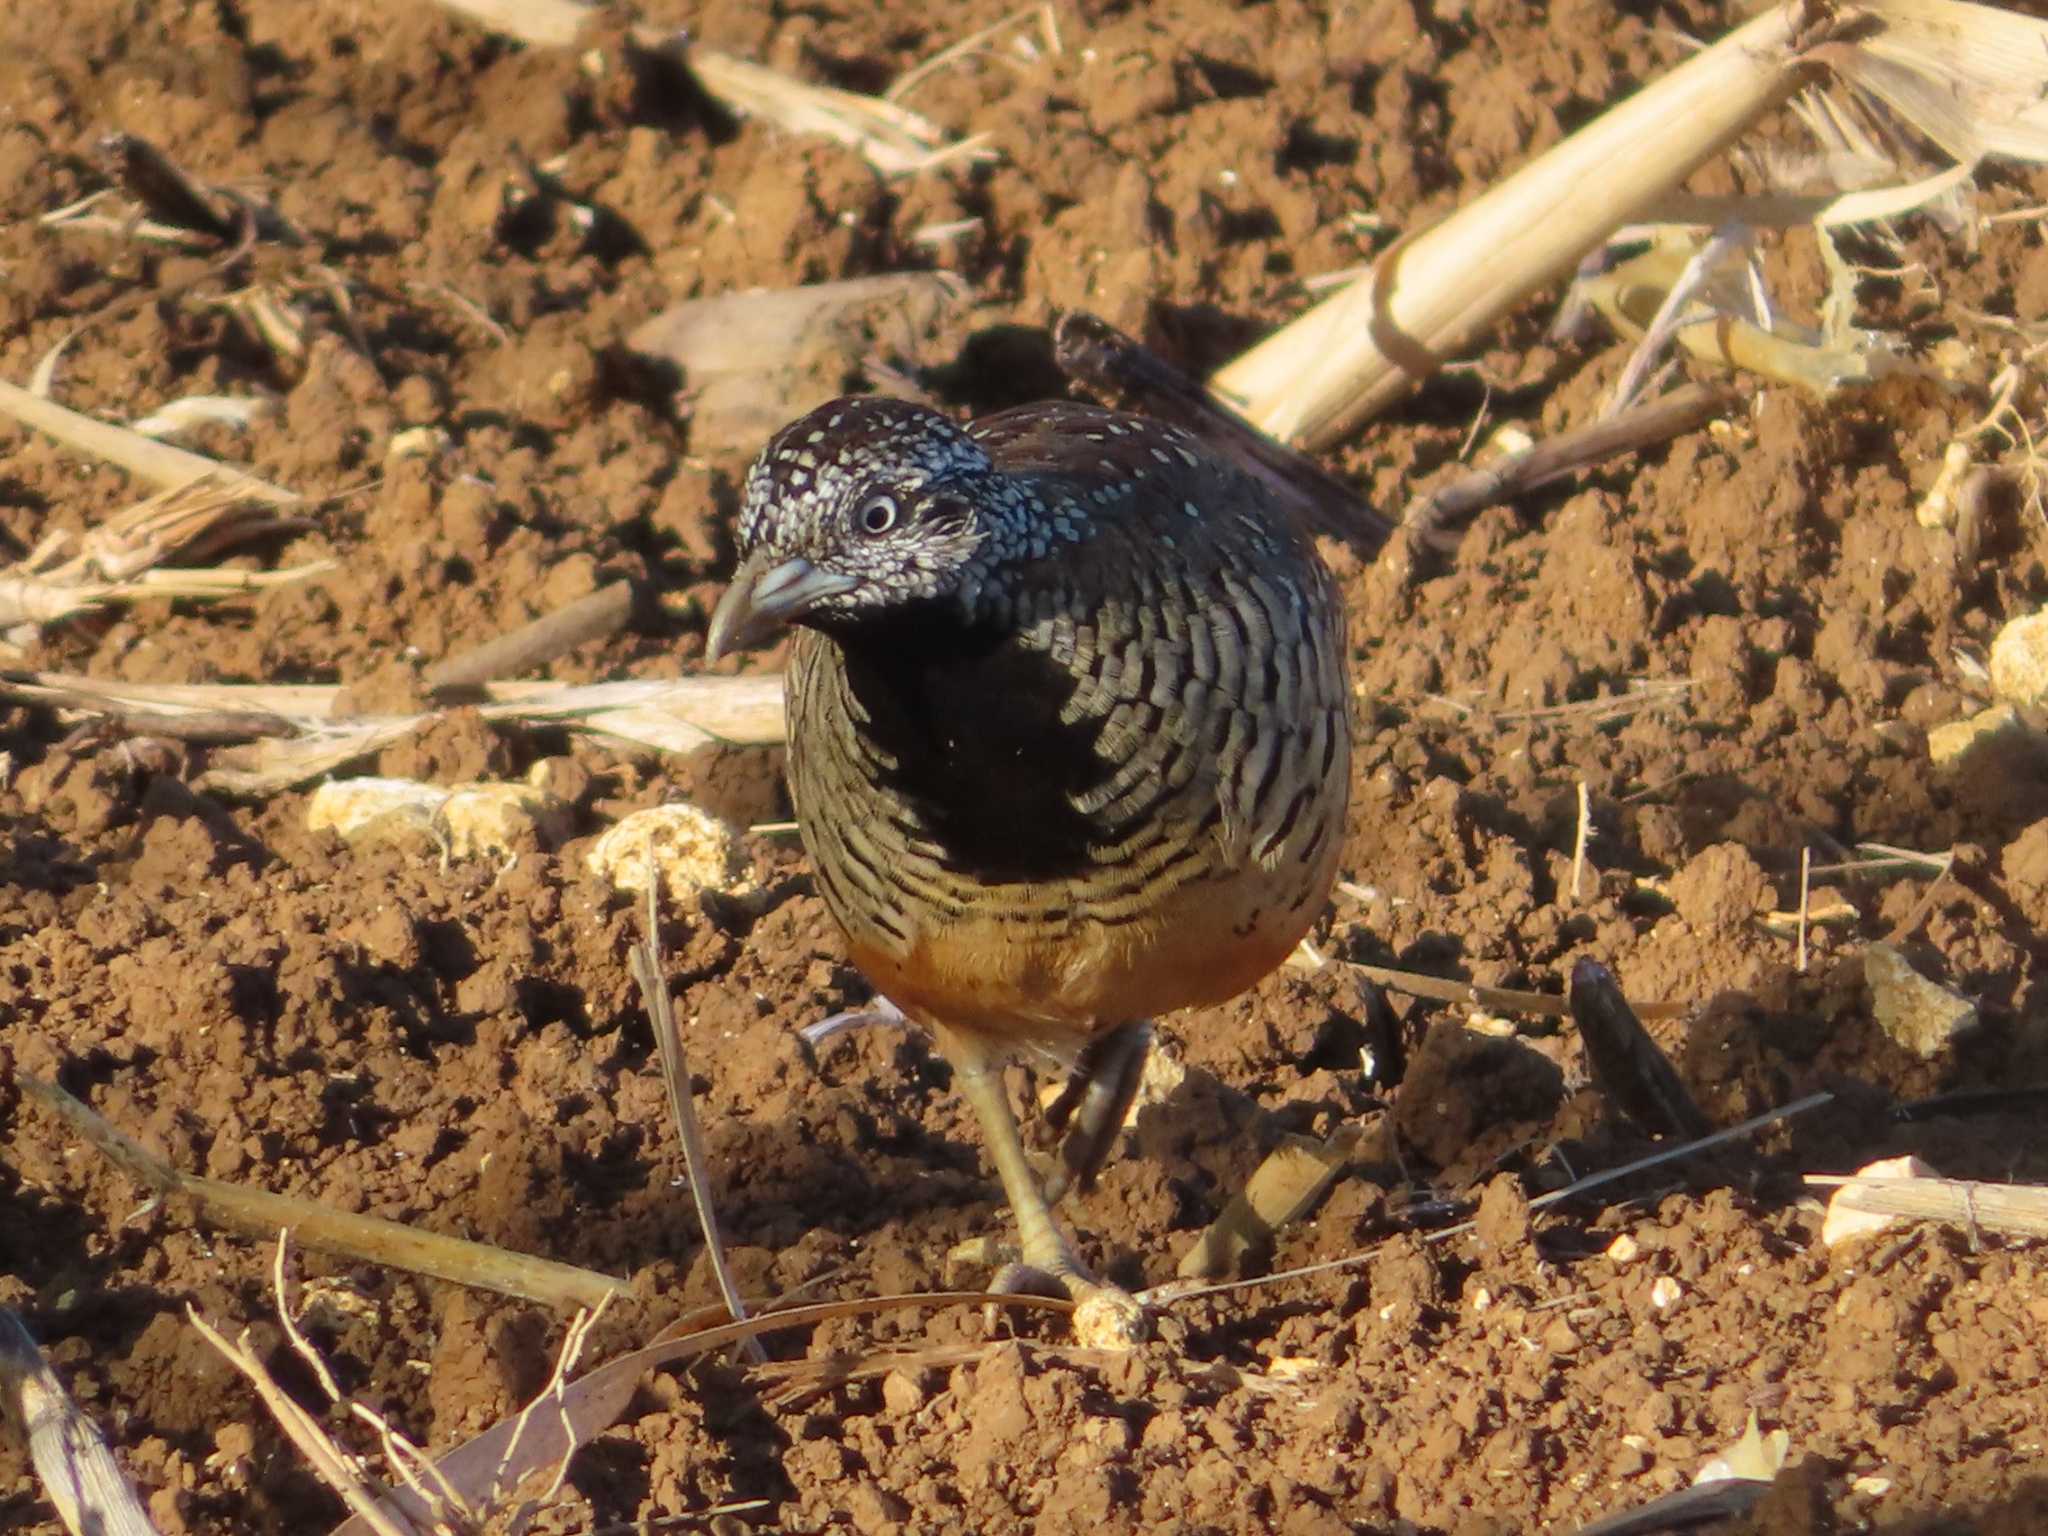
(1105, 1316)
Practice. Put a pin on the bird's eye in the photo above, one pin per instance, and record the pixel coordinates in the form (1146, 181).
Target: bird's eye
(879, 515)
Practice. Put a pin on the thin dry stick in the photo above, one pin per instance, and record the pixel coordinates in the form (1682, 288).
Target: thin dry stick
(917, 74)
(1167, 1294)
(160, 464)
(335, 1467)
(2019, 1208)
(1584, 836)
(1566, 453)
(399, 1452)
(507, 1477)
(1443, 989)
(258, 1213)
(595, 617)
(668, 1038)
(538, 23)
(78, 1472)
(1928, 897)
(280, 1288)
(1805, 898)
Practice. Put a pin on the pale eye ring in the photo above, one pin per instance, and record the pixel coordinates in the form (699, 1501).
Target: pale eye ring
(879, 515)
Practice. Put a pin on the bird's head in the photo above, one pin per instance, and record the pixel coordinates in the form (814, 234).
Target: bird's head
(863, 508)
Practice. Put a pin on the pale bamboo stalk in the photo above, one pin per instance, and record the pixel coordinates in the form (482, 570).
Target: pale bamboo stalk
(1321, 376)
(2014, 1208)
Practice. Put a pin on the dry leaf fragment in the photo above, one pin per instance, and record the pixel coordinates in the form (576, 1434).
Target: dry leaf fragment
(1283, 1189)
(1756, 1455)
(1734, 331)
(1970, 77)
(893, 139)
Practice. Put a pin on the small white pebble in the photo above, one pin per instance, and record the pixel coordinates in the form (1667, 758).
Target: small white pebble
(1624, 1249)
(1665, 1292)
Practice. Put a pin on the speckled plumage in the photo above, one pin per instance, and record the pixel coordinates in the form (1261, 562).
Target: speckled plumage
(1068, 723)
(1075, 750)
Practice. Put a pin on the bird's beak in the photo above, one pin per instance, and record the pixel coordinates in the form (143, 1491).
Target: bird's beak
(765, 595)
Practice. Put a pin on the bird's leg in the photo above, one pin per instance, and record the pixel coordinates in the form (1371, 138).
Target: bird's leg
(1096, 1100)
(1050, 1263)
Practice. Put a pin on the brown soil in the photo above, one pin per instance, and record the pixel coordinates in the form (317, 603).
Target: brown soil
(458, 1045)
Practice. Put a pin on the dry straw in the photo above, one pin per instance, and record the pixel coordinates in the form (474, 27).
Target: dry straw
(1969, 77)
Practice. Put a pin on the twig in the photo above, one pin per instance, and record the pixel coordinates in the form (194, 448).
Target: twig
(1805, 899)
(668, 1037)
(1565, 453)
(508, 1475)
(595, 617)
(917, 74)
(1582, 837)
(258, 1214)
(333, 1465)
(161, 464)
(167, 190)
(891, 138)
(1646, 693)
(78, 1472)
(1444, 989)
(537, 23)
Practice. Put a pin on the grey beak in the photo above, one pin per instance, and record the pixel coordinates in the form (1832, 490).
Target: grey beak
(765, 595)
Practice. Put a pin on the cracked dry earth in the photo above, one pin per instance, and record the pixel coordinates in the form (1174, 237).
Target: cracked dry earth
(456, 1042)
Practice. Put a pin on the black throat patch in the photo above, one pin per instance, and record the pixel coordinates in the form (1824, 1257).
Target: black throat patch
(984, 761)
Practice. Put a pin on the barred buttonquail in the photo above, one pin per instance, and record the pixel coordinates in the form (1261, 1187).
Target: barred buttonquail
(1068, 734)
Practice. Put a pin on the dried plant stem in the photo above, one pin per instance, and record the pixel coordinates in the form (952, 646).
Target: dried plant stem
(1443, 989)
(596, 617)
(335, 1467)
(1805, 900)
(675, 1075)
(1567, 453)
(260, 1214)
(1581, 838)
(1432, 295)
(160, 464)
(78, 1472)
(2015, 1208)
